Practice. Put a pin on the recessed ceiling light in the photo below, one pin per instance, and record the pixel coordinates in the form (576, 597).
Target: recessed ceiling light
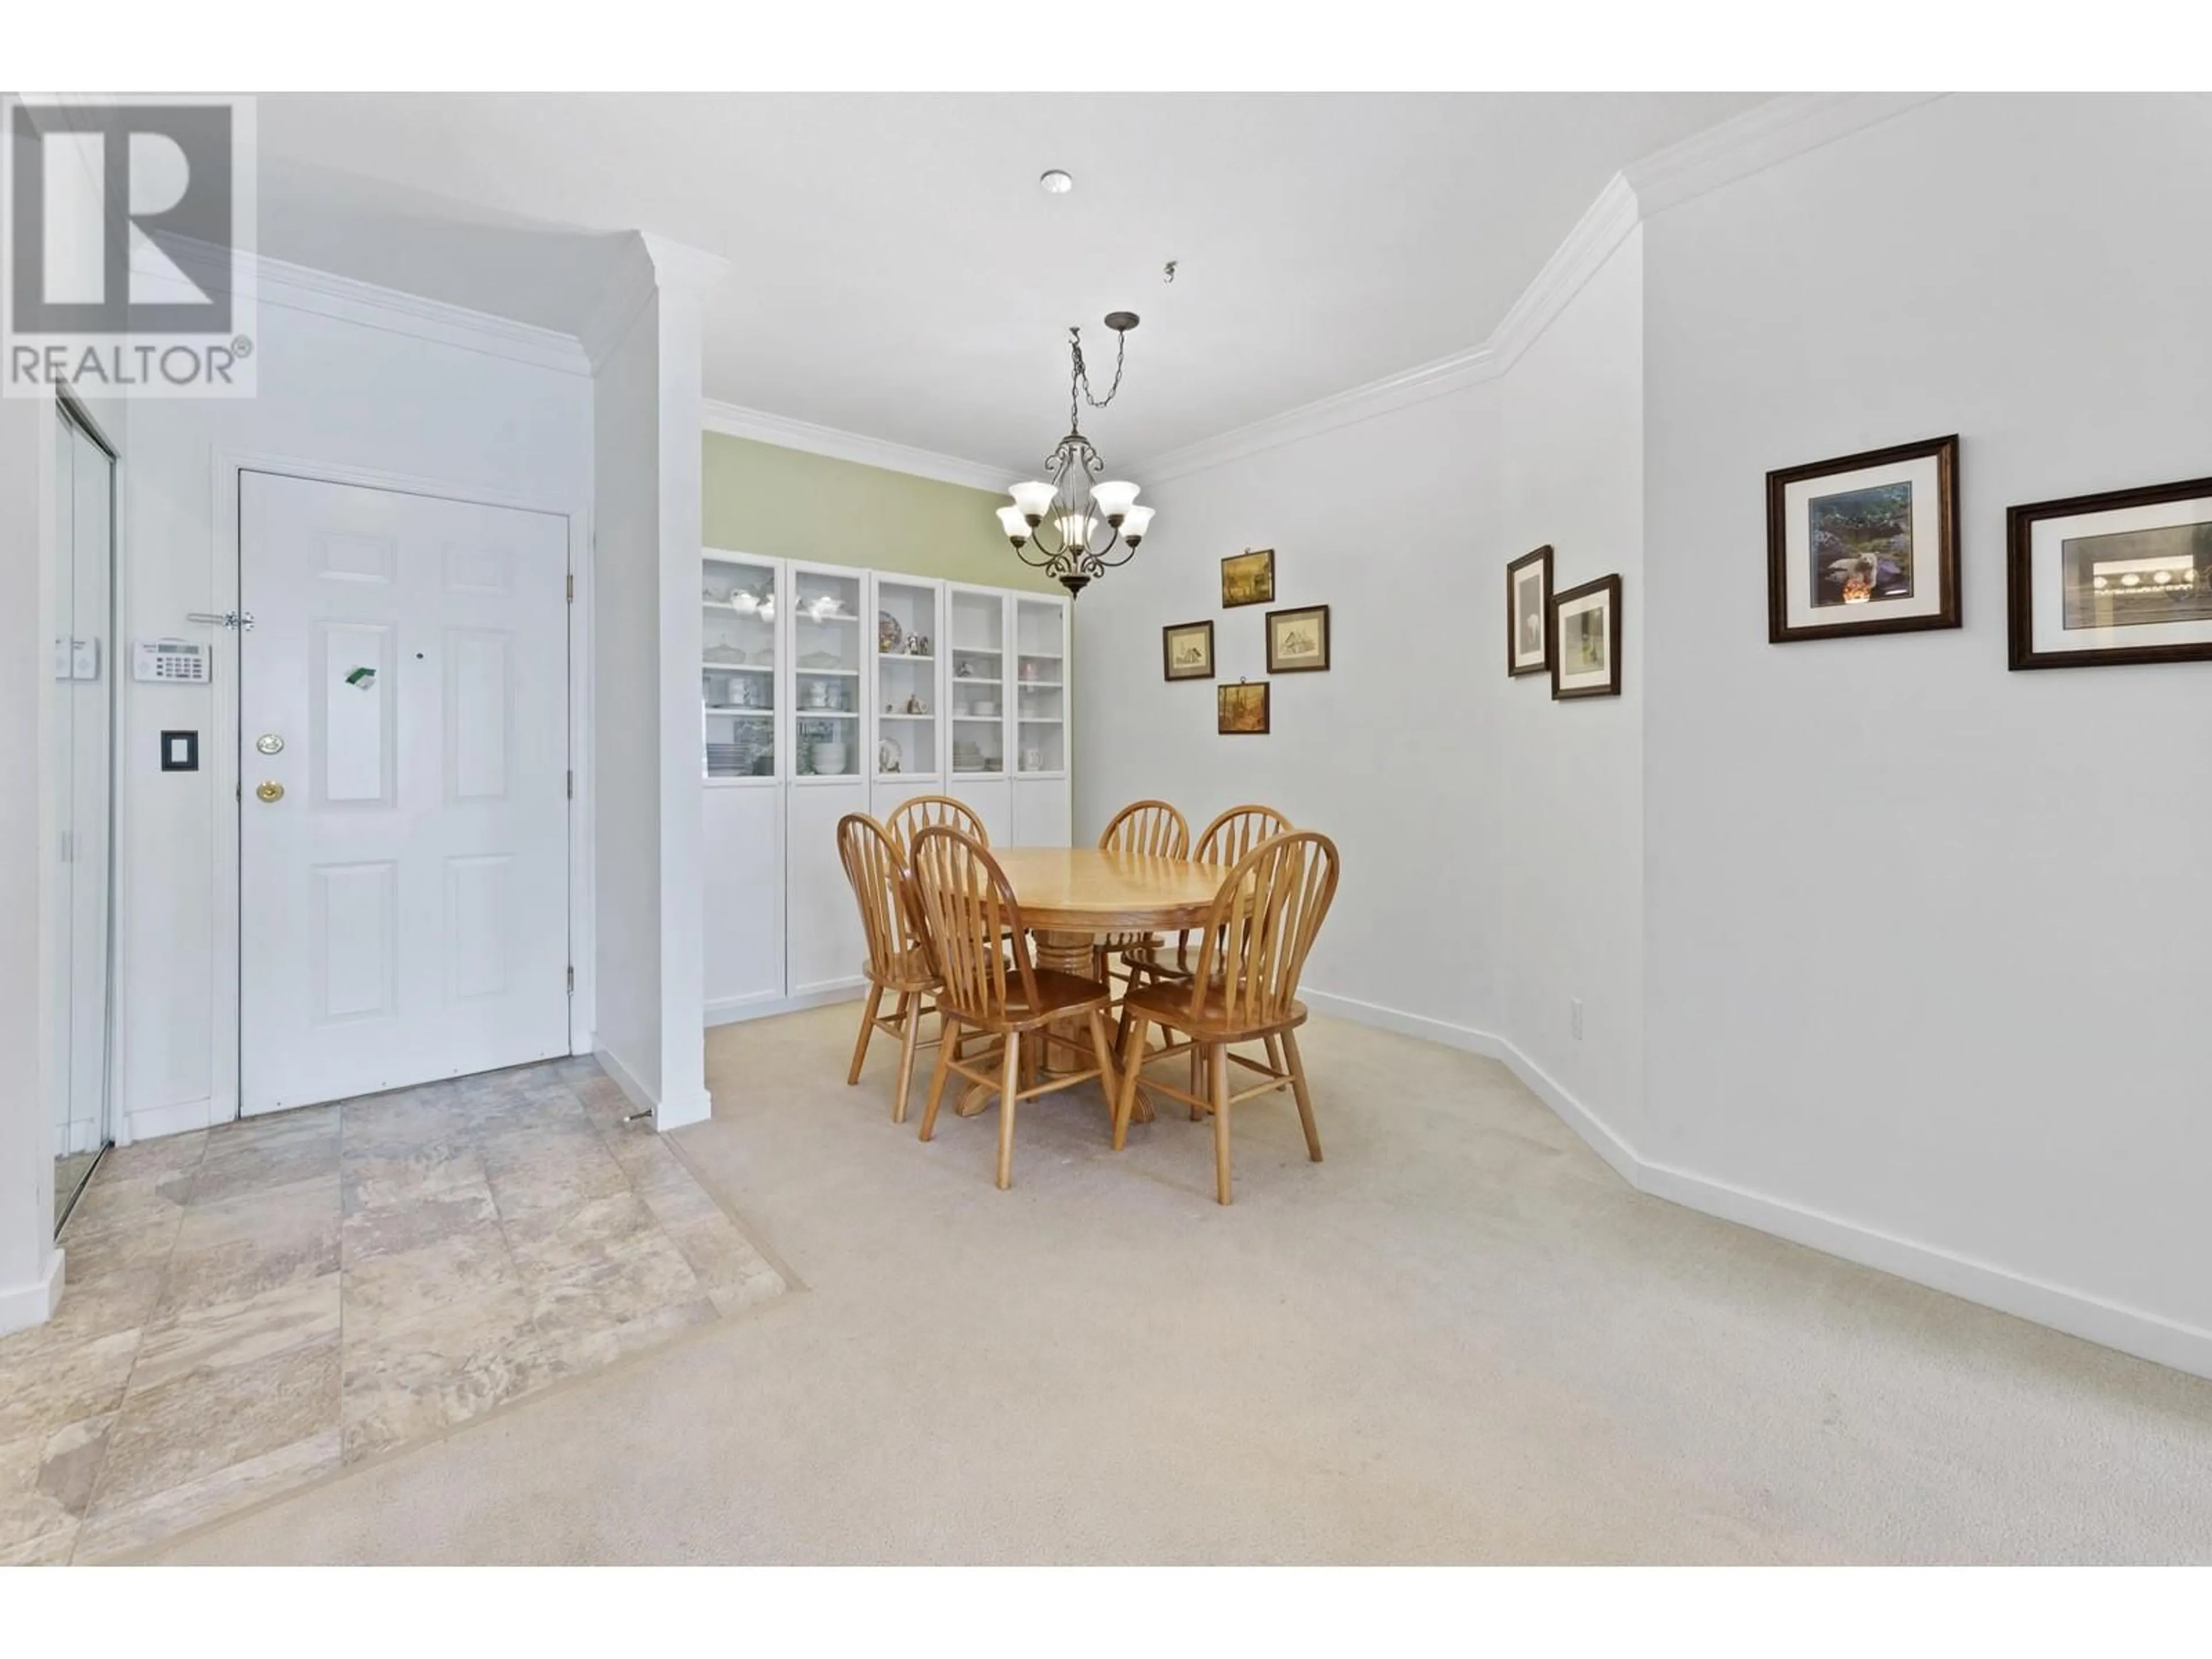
(1056, 183)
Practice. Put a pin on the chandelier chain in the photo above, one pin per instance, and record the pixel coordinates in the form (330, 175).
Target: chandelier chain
(1079, 379)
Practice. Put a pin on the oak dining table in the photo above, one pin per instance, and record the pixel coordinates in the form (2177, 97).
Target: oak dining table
(1070, 896)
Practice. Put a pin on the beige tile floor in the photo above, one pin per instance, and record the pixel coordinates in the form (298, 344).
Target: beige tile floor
(255, 1307)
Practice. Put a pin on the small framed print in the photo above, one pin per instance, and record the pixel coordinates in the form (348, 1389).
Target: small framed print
(1527, 613)
(1297, 640)
(1187, 650)
(1864, 544)
(2124, 577)
(1240, 710)
(1248, 577)
(1586, 641)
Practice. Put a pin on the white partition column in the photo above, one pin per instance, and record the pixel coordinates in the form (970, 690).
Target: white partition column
(649, 941)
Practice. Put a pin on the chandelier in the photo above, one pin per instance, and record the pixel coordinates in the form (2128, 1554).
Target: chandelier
(1071, 528)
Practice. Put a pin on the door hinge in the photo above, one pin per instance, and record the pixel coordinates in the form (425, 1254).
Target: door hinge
(572, 784)
(572, 587)
(572, 982)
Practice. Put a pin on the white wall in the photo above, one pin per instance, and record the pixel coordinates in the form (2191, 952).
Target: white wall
(1882, 947)
(650, 939)
(1569, 776)
(1490, 837)
(26, 1153)
(1927, 946)
(335, 390)
(1393, 753)
(626, 707)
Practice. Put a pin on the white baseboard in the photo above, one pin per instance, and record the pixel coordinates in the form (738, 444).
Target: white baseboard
(2113, 1325)
(626, 1080)
(22, 1306)
(674, 1114)
(2132, 1330)
(149, 1122)
(1601, 1140)
(671, 1113)
(1415, 1025)
(729, 1010)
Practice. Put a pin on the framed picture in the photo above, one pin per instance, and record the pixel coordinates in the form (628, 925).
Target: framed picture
(1240, 710)
(2124, 577)
(1248, 577)
(1527, 613)
(1297, 640)
(1864, 544)
(1187, 650)
(1586, 640)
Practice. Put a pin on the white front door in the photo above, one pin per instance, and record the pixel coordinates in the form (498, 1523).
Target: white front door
(403, 761)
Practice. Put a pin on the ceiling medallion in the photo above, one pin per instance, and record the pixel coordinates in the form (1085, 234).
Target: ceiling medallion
(1088, 522)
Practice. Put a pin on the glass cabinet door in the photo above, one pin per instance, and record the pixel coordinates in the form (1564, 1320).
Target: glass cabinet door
(908, 630)
(736, 668)
(1040, 685)
(826, 671)
(977, 686)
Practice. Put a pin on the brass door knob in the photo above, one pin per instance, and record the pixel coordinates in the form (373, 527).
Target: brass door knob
(272, 791)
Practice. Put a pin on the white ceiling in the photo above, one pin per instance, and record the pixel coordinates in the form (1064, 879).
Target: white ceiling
(897, 272)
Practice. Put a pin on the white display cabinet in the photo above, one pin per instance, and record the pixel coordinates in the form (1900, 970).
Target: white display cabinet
(975, 686)
(809, 714)
(909, 701)
(739, 640)
(1040, 691)
(741, 694)
(829, 641)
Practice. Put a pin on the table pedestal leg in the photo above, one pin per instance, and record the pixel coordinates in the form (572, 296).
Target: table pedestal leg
(1071, 953)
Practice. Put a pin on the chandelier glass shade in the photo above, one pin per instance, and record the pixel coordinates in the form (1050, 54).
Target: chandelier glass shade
(1075, 525)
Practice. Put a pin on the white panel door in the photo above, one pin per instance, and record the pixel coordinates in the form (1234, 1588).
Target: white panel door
(403, 838)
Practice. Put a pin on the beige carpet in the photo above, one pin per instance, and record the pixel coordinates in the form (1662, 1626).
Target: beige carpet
(1461, 1339)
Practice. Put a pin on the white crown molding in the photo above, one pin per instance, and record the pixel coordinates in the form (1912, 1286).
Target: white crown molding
(629, 285)
(681, 266)
(266, 281)
(735, 421)
(1762, 137)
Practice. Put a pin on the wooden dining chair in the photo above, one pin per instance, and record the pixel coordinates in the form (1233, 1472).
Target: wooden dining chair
(1223, 842)
(910, 818)
(1155, 829)
(1243, 988)
(899, 957)
(991, 985)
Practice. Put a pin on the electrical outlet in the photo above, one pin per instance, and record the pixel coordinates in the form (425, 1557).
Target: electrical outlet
(1575, 1018)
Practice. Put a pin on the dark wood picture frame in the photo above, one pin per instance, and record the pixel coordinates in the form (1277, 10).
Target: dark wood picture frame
(1610, 586)
(1267, 598)
(2020, 574)
(1514, 667)
(1221, 693)
(1276, 667)
(1945, 453)
(1166, 650)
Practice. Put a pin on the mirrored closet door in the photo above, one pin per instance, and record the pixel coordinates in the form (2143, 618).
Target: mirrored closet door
(82, 712)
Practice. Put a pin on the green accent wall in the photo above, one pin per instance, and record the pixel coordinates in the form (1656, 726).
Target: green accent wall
(787, 504)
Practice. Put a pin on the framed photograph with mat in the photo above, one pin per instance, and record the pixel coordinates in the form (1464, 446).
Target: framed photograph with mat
(1527, 613)
(1297, 640)
(2122, 577)
(1865, 544)
(1187, 650)
(1586, 641)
